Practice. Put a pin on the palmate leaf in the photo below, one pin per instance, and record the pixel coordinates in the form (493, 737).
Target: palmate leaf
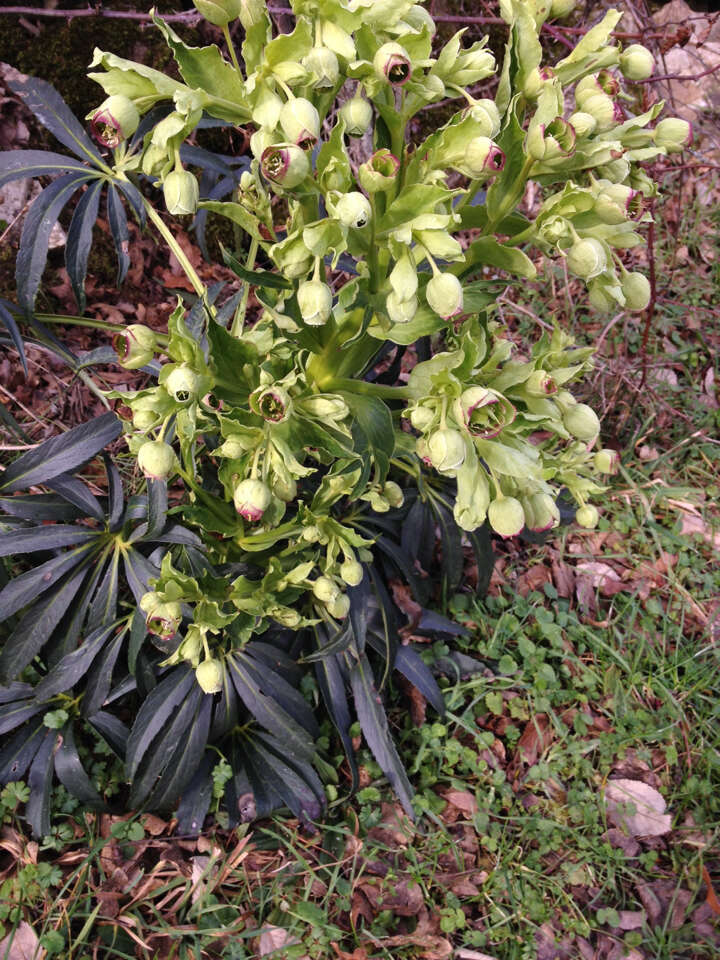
(54, 114)
(27, 164)
(39, 222)
(62, 454)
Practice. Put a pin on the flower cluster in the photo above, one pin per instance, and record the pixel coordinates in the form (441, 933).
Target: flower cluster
(273, 427)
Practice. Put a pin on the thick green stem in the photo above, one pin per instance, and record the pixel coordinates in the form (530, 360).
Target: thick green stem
(231, 49)
(511, 198)
(92, 323)
(164, 231)
(381, 390)
(239, 318)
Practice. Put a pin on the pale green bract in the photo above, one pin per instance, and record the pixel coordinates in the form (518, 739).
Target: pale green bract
(278, 410)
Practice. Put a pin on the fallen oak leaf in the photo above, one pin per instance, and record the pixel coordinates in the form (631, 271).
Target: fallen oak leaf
(711, 898)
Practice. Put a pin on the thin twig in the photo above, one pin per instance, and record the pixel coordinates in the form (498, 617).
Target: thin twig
(651, 305)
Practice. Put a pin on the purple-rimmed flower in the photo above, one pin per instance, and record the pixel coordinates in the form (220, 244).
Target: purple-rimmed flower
(485, 412)
(607, 461)
(135, 346)
(379, 172)
(164, 619)
(482, 158)
(115, 120)
(541, 512)
(392, 64)
(555, 139)
(540, 384)
(271, 403)
(251, 499)
(300, 122)
(285, 164)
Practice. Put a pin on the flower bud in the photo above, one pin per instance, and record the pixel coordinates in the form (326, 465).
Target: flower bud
(487, 117)
(352, 572)
(315, 302)
(181, 192)
(325, 589)
(581, 421)
(209, 675)
(582, 123)
(251, 499)
(357, 114)
(540, 384)
(144, 419)
(218, 12)
(587, 516)
(284, 488)
(506, 516)
(596, 83)
(444, 295)
(292, 257)
(326, 407)
(482, 158)
(636, 62)
(271, 403)
(602, 109)
(536, 81)
(252, 12)
(285, 164)
(446, 449)
(135, 346)
(544, 511)
(182, 384)
(285, 616)
(673, 134)
(587, 258)
(607, 461)
(600, 297)
(392, 64)
(353, 210)
(115, 120)
(322, 63)
(400, 311)
(379, 173)
(156, 459)
(339, 608)
(164, 619)
(403, 278)
(311, 533)
(393, 494)
(636, 290)
(421, 418)
(561, 8)
(616, 203)
(300, 122)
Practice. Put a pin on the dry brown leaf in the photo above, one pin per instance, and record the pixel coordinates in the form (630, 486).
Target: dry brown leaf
(274, 939)
(649, 819)
(22, 945)
(693, 523)
(463, 800)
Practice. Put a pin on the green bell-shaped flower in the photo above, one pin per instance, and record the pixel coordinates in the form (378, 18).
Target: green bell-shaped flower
(182, 384)
(315, 300)
(353, 210)
(673, 134)
(587, 516)
(156, 459)
(607, 461)
(251, 499)
(209, 675)
(300, 122)
(357, 115)
(181, 192)
(506, 516)
(135, 346)
(581, 421)
(446, 449)
(115, 120)
(587, 258)
(636, 62)
(285, 165)
(218, 12)
(392, 64)
(636, 290)
(444, 295)
(322, 64)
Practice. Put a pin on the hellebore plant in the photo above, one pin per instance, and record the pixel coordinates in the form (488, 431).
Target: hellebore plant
(307, 473)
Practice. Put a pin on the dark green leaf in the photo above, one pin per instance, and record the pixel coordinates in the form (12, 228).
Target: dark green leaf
(161, 752)
(104, 604)
(79, 240)
(35, 628)
(73, 666)
(37, 809)
(26, 164)
(184, 761)
(15, 691)
(10, 323)
(116, 497)
(39, 221)
(117, 220)
(375, 730)
(373, 421)
(61, 454)
(196, 798)
(481, 542)
(52, 112)
(39, 507)
(113, 731)
(157, 507)
(43, 538)
(411, 665)
(71, 773)
(138, 571)
(17, 753)
(138, 632)
(76, 492)
(99, 680)
(23, 589)
(268, 713)
(134, 198)
(13, 714)
(332, 687)
(258, 278)
(155, 712)
(283, 693)
(265, 766)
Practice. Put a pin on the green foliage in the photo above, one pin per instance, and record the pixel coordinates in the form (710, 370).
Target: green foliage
(304, 475)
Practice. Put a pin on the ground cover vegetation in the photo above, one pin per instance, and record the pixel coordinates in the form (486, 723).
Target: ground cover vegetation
(364, 386)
